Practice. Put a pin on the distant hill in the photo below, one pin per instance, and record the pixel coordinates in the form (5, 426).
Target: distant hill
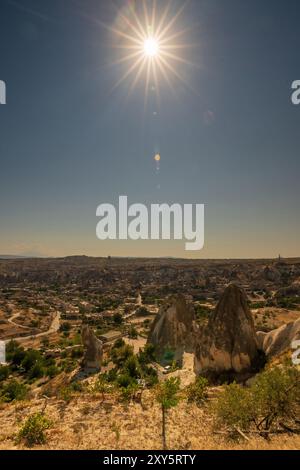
(12, 256)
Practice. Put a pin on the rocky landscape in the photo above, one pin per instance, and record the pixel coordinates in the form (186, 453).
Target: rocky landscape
(228, 343)
(94, 340)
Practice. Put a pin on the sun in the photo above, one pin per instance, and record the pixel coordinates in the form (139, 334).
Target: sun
(151, 47)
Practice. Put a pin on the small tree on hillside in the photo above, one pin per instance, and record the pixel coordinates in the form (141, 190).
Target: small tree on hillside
(167, 397)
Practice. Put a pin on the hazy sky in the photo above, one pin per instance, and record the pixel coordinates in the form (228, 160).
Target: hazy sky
(69, 141)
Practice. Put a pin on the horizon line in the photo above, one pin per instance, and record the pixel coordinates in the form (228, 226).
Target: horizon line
(40, 257)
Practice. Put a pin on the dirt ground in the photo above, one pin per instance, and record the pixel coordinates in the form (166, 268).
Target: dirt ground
(88, 423)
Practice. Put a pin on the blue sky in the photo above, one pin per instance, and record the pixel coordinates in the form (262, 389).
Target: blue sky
(69, 142)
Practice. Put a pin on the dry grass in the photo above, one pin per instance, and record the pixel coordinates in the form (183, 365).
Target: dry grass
(87, 423)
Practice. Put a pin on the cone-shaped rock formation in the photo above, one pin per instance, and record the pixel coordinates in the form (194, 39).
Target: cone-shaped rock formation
(228, 342)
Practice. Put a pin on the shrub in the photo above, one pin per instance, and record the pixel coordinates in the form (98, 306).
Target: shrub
(197, 392)
(69, 366)
(77, 353)
(132, 367)
(202, 313)
(142, 312)
(31, 358)
(65, 327)
(101, 386)
(66, 394)
(110, 376)
(36, 371)
(15, 353)
(133, 333)
(52, 371)
(277, 395)
(120, 355)
(4, 373)
(125, 380)
(118, 319)
(147, 354)
(11, 347)
(128, 393)
(45, 342)
(272, 399)
(150, 376)
(235, 407)
(118, 343)
(14, 390)
(77, 386)
(33, 430)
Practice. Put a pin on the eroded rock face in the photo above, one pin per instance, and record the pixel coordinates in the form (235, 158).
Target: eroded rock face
(228, 342)
(278, 341)
(174, 328)
(93, 349)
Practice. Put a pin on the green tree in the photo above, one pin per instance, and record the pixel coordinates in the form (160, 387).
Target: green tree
(167, 396)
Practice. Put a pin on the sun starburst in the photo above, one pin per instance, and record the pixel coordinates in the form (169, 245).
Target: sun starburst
(150, 44)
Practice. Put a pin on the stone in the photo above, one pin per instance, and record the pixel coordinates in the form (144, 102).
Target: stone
(93, 349)
(228, 343)
(174, 328)
(279, 341)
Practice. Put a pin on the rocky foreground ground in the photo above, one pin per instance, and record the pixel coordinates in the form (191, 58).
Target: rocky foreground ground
(88, 423)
